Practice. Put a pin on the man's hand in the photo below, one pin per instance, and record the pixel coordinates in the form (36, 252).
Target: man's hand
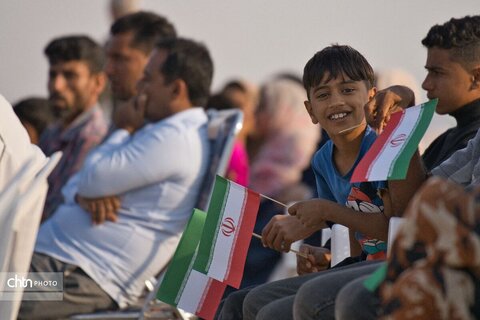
(130, 115)
(100, 209)
(384, 103)
(311, 213)
(318, 259)
(282, 230)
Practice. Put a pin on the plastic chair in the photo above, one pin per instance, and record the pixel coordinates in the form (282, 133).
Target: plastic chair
(223, 127)
(21, 207)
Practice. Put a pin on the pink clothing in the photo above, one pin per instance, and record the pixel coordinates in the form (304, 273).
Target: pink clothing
(238, 168)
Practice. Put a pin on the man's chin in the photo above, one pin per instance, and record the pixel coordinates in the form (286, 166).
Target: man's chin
(61, 112)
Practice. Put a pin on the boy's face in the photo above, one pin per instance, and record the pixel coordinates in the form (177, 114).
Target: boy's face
(448, 81)
(338, 104)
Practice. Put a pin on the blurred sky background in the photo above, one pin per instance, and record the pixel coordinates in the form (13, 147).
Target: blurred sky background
(250, 39)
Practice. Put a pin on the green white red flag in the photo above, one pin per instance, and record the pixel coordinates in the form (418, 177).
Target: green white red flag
(389, 156)
(228, 230)
(183, 286)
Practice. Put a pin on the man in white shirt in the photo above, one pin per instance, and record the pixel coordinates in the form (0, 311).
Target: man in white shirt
(126, 208)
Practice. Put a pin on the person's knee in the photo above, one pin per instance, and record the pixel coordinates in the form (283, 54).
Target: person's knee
(309, 305)
(251, 304)
(354, 301)
(231, 307)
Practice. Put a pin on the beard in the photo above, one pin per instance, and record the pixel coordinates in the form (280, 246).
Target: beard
(62, 110)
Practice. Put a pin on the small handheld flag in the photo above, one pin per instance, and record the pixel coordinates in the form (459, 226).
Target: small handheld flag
(228, 230)
(389, 156)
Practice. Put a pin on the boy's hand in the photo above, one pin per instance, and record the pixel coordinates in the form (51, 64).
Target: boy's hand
(318, 259)
(392, 99)
(130, 115)
(282, 230)
(312, 213)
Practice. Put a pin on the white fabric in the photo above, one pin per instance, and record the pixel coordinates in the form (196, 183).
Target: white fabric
(22, 220)
(21, 200)
(340, 244)
(157, 172)
(15, 146)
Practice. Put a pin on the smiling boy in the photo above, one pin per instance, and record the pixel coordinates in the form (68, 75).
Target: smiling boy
(339, 82)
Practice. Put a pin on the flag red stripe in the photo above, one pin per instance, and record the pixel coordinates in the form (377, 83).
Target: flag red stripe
(239, 253)
(361, 171)
(211, 299)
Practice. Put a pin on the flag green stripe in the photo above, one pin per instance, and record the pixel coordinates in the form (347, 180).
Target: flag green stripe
(180, 266)
(212, 223)
(400, 167)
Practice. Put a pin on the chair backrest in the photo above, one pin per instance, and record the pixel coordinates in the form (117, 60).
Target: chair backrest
(223, 127)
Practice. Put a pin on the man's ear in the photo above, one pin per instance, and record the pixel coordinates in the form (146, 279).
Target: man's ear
(100, 82)
(308, 106)
(476, 77)
(371, 93)
(179, 92)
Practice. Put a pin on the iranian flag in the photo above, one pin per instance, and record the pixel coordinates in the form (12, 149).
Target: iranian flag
(228, 230)
(183, 286)
(389, 156)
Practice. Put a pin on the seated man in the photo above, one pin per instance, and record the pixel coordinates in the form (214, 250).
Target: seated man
(139, 188)
(75, 82)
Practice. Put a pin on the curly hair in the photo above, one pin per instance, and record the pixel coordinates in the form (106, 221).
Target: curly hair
(462, 36)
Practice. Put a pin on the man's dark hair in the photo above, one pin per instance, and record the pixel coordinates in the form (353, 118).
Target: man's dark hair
(220, 101)
(337, 60)
(235, 85)
(36, 111)
(147, 29)
(190, 61)
(80, 47)
(462, 36)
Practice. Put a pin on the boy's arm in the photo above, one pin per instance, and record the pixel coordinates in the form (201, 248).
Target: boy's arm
(387, 101)
(282, 230)
(312, 213)
(401, 191)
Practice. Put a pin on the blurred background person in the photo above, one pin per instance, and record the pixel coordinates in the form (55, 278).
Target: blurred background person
(120, 8)
(132, 39)
(238, 166)
(35, 114)
(282, 147)
(75, 82)
(238, 94)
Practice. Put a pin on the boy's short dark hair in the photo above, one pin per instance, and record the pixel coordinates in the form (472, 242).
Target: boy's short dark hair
(190, 61)
(80, 47)
(462, 36)
(336, 60)
(147, 29)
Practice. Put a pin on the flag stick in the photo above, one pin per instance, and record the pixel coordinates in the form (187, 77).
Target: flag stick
(298, 253)
(351, 128)
(282, 204)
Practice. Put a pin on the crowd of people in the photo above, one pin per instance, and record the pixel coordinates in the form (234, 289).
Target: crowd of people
(128, 179)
